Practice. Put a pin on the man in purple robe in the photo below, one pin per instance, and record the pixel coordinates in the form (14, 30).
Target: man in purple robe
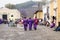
(25, 23)
(30, 22)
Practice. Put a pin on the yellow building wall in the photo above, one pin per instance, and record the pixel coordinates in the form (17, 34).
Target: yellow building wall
(58, 10)
(52, 13)
(51, 10)
(40, 15)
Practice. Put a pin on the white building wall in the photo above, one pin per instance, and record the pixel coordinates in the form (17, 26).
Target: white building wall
(45, 10)
(55, 7)
(16, 14)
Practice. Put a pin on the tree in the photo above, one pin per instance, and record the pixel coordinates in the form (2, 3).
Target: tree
(10, 6)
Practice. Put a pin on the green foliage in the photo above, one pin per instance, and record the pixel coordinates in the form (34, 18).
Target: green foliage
(10, 6)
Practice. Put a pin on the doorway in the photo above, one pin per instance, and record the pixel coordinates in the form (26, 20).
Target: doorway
(4, 16)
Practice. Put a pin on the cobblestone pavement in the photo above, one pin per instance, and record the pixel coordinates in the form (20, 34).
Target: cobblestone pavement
(18, 33)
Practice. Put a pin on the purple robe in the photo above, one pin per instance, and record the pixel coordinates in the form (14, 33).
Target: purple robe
(25, 23)
(30, 22)
(53, 25)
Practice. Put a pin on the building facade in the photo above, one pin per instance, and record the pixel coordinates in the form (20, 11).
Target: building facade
(58, 10)
(9, 14)
(38, 14)
(53, 6)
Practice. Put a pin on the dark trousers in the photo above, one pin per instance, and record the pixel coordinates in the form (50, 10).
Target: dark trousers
(57, 29)
(35, 26)
(30, 26)
(25, 27)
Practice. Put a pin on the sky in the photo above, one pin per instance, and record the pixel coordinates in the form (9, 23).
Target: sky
(3, 2)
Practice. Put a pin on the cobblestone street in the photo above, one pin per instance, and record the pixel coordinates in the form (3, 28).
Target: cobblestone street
(18, 33)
